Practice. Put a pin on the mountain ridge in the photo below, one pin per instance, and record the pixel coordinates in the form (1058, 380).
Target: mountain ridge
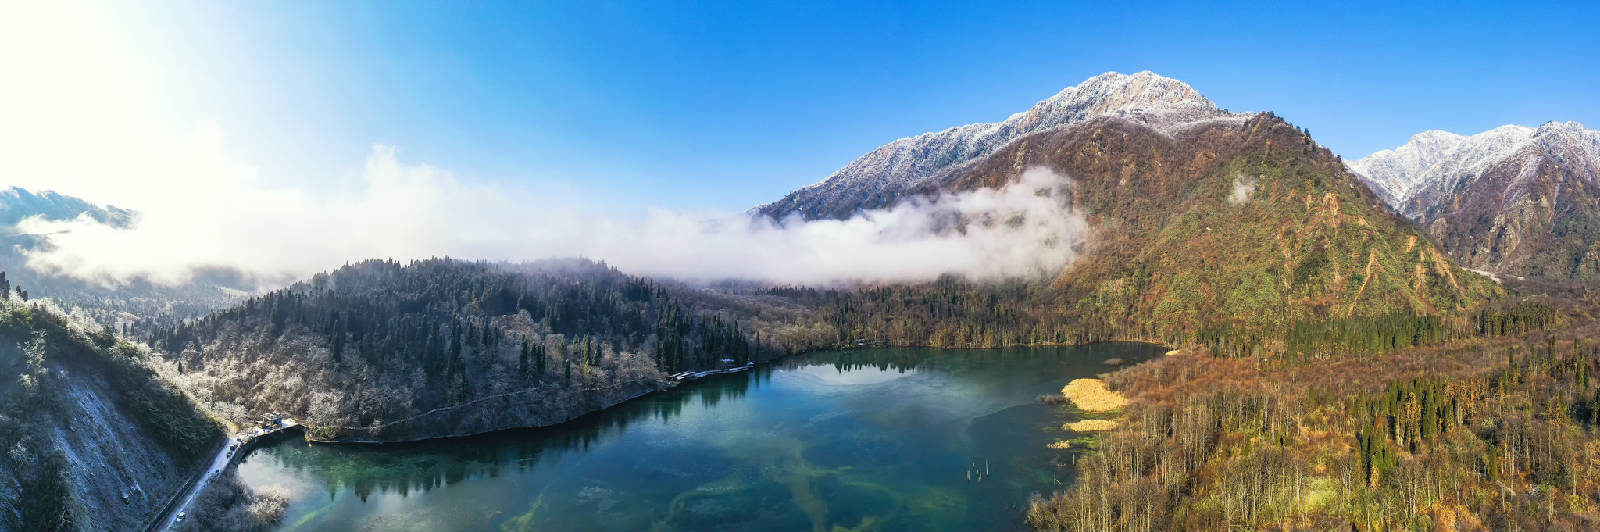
(1246, 238)
(1437, 161)
(880, 177)
(1514, 200)
(17, 204)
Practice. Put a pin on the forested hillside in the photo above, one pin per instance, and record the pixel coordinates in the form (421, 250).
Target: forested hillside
(1248, 238)
(94, 439)
(1488, 434)
(381, 350)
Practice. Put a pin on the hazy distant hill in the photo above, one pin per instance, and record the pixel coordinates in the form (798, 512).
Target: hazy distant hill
(18, 203)
(1513, 200)
(111, 303)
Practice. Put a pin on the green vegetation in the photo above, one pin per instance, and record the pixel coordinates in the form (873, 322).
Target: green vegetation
(1310, 262)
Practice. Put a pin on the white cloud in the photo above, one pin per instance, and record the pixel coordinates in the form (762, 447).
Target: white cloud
(1243, 187)
(201, 207)
(84, 117)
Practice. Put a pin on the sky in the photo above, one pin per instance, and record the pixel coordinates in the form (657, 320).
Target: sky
(624, 107)
(727, 105)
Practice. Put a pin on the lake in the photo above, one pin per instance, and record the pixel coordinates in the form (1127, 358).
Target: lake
(879, 439)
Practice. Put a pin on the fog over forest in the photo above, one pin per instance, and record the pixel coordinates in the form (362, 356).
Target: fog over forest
(229, 218)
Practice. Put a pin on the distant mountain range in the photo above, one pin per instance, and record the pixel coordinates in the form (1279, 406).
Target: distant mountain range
(112, 304)
(1513, 200)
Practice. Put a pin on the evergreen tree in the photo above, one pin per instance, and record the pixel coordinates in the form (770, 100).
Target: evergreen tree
(522, 359)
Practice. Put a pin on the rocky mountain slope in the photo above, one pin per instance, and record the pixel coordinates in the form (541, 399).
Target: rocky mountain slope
(94, 439)
(1513, 200)
(1247, 236)
(882, 176)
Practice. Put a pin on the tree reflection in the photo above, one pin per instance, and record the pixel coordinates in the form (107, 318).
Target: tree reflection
(406, 468)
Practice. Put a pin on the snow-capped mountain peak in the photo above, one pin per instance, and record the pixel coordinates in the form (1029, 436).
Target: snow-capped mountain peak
(1430, 167)
(1514, 199)
(881, 176)
(1440, 160)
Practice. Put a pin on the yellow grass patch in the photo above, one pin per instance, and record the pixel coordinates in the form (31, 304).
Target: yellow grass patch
(1060, 444)
(1091, 395)
(1090, 425)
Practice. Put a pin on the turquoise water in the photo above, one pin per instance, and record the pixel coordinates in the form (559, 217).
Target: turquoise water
(878, 439)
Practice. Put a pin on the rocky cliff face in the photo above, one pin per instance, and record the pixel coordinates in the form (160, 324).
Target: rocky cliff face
(881, 177)
(1513, 200)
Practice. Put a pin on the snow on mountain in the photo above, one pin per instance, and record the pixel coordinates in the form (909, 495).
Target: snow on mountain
(18, 203)
(878, 178)
(1514, 200)
(1435, 164)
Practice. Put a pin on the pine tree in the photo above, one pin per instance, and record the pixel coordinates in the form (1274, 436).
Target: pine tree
(522, 359)
(539, 352)
(1583, 373)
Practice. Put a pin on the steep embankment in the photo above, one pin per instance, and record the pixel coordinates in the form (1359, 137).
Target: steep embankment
(380, 351)
(94, 439)
(1242, 234)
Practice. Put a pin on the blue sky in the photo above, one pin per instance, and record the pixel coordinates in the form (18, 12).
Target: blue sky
(727, 105)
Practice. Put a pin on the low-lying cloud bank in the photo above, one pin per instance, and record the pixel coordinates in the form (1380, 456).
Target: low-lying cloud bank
(222, 215)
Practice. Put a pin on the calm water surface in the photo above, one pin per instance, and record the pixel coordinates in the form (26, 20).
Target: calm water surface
(878, 439)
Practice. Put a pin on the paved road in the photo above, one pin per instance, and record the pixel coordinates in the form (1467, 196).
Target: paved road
(219, 463)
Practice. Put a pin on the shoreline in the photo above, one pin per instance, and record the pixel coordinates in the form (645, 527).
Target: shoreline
(673, 382)
(690, 377)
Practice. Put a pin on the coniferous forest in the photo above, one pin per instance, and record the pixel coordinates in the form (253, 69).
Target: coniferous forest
(442, 346)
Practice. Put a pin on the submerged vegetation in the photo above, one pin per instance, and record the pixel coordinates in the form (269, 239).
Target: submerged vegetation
(1091, 395)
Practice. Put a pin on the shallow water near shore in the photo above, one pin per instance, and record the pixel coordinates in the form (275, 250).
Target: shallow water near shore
(880, 439)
